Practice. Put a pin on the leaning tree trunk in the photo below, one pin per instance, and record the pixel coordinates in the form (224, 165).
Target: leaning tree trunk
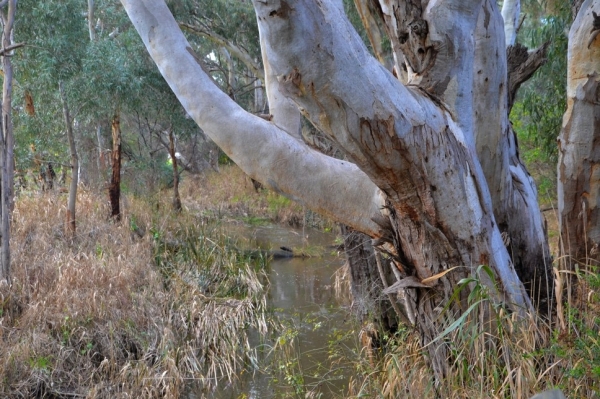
(413, 180)
(114, 190)
(6, 144)
(71, 221)
(579, 144)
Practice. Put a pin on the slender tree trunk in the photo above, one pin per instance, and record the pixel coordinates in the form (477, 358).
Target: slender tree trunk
(176, 197)
(101, 161)
(114, 190)
(7, 145)
(513, 191)
(367, 12)
(259, 97)
(71, 221)
(511, 10)
(579, 144)
(231, 81)
(90, 18)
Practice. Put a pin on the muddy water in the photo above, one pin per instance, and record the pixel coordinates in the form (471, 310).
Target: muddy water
(303, 298)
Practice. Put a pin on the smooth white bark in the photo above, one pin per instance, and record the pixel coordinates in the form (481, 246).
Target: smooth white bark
(511, 11)
(265, 152)
(512, 189)
(420, 155)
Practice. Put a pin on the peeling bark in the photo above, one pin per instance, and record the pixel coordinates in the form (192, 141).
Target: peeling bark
(367, 12)
(365, 281)
(114, 190)
(417, 185)
(579, 146)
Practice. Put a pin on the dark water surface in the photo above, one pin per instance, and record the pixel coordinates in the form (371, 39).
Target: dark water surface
(303, 298)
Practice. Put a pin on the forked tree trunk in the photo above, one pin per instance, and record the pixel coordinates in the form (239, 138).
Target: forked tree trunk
(114, 190)
(70, 223)
(514, 196)
(579, 144)
(413, 180)
(6, 144)
(176, 197)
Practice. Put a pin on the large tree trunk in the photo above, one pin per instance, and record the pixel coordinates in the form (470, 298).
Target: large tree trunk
(6, 144)
(71, 221)
(513, 191)
(413, 180)
(114, 190)
(579, 144)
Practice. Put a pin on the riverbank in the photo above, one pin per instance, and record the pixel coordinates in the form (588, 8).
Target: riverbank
(163, 303)
(114, 311)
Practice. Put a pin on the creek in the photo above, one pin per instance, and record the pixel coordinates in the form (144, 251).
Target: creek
(318, 337)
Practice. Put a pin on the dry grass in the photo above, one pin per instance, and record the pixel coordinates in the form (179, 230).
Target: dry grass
(231, 194)
(504, 358)
(97, 316)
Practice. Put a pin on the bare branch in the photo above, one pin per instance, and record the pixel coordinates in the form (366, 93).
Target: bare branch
(522, 64)
(237, 51)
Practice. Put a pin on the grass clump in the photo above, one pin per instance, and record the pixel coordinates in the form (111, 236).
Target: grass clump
(494, 353)
(115, 312)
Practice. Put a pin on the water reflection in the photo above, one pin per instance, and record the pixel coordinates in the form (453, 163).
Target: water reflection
(303, 298)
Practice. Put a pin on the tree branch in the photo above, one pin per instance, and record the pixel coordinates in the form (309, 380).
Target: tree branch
(522, 64)
(11, 48)
(237, 51)
(334, 188)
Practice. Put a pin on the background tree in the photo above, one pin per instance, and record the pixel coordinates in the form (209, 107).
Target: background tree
(578, 146)
(6, 137)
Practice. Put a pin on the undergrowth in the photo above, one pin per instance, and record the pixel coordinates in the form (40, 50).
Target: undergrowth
(150, 307)
(230, 194)
(494, 353)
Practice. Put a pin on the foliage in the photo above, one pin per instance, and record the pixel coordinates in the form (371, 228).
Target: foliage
(541, 101)
(236, 22)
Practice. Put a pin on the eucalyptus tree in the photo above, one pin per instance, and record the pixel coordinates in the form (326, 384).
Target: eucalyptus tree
(579, 143)
(47, 68)
(431, 164)
(8, 10)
